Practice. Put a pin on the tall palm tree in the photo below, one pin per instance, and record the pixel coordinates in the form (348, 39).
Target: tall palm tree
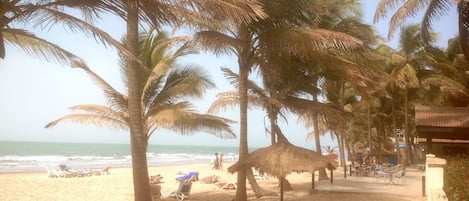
(165, 89)
(157, 13)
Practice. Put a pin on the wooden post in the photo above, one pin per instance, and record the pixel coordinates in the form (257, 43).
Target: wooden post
(345, 171)
(281, 188)
(312, 182)
(423, 186)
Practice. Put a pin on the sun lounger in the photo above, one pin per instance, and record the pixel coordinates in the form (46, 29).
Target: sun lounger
(55, 173)
(73, 172)
(104, 171)
(183, 191)
(192, 176)
(226, 185)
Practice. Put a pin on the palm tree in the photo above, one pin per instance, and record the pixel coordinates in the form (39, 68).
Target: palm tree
(433, 10)
(165, 88)
(157, 13)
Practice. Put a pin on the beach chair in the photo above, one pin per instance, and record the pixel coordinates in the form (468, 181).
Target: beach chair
(104, 171)
(73, 172)
(380, 176)
(226, 185)
(182, 192)
(192, 176)
(399, 177)
(260, 175)
(55, 173)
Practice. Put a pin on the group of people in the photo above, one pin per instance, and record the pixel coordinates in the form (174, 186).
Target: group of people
(218, 162)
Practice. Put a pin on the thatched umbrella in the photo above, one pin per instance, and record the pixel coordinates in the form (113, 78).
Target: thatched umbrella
(282, 158)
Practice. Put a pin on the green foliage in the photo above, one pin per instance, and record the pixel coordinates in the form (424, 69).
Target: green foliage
(456, 178)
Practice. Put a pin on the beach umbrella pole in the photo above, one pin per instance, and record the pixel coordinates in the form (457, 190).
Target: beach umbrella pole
(281, 188)
(312, 181)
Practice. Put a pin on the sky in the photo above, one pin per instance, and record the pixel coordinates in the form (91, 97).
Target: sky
(35, 92)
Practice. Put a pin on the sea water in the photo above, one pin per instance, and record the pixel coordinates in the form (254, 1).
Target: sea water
(36, 156)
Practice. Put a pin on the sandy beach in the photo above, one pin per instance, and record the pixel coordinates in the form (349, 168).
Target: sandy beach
(117, 186)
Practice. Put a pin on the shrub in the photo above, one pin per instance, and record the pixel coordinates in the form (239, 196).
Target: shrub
(456, 178)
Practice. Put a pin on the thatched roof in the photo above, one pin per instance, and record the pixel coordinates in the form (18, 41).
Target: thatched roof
(448, 117)
(283, 158)
(442, 122)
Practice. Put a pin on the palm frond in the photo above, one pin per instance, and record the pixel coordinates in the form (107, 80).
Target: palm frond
(101, 110)
(114, 97)
(240, 11)
(217, 42)
(445, 84)
(35, 46)
(231, 76)
(225, 100)
(409, 9)
(190, 81)
(304, 41)
(436, 9)
(49, 17)
(188, 122)
(93, 119)
(384, 6)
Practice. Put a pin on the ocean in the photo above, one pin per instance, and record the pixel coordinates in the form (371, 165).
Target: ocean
(36, 156)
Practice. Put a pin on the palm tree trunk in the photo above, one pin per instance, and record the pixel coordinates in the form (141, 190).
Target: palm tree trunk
(406, 127)
(137, 138)
(463, 11)
(322, 172)
(368, 115)
(341, 134)
(241, 194)
(243, 141)
(394, 125)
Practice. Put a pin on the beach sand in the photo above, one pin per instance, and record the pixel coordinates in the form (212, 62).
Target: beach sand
(117, 186)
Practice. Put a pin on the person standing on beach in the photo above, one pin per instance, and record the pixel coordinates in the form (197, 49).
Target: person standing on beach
(220, 162)
(215, 162)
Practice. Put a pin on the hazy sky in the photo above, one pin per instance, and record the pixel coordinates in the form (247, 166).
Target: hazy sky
(34, 92)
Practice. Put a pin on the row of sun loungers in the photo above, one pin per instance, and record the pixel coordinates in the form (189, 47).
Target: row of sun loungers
(65, 172)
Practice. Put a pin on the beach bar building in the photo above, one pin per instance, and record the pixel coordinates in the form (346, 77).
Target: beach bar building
(442, 130)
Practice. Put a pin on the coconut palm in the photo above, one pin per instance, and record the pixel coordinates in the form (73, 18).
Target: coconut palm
(165, 90)
(158, 13)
